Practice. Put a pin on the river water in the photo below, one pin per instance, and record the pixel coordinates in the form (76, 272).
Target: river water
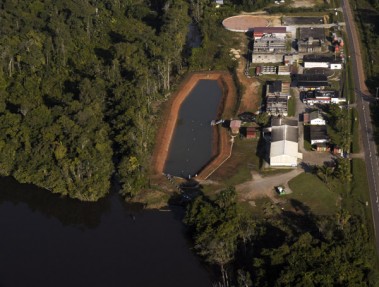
(49, 241)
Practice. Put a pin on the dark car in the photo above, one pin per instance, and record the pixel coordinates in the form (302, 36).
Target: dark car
(247, 117)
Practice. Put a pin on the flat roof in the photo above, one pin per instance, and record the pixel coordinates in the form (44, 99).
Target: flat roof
(321, 58)
(331, 94)
(274, 86)
(315, 33)
(270, 30)
(311, 78)
(312, 84)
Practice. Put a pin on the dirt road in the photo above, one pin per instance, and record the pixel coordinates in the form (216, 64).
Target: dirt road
(264, 186)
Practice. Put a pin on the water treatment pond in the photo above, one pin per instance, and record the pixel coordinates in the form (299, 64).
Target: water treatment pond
(191, 144)
(50, 241)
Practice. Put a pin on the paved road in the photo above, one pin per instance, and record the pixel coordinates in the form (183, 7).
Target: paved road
(363, 100)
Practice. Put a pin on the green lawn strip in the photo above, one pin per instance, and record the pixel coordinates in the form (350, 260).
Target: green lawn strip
(355, 148)
(356, 200)
(374, 109)
(291, 106)
(238, 167)
(312, 192)
(348, 89)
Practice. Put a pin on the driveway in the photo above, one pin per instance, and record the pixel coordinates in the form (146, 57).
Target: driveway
(264, 186)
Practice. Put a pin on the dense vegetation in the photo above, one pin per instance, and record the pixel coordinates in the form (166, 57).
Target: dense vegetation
(77, 84)
(285, 249)
(367, 18)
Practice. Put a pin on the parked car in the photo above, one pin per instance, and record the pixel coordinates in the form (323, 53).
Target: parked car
(247, 117)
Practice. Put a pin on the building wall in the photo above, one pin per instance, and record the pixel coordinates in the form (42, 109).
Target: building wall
(317, 122)
(283, 160)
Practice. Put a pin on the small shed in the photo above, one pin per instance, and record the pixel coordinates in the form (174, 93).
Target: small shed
(251, 133)
(235, 126)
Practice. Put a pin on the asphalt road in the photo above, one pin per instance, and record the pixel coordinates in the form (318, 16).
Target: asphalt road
(363, 99)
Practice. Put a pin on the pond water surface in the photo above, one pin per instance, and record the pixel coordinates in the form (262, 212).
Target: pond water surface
(49, 241)
(191, 144)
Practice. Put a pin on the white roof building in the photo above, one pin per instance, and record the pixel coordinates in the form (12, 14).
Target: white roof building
(284, 148)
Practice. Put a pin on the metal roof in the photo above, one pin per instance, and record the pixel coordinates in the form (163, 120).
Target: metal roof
(284, 133)
(319, 132)
(275, 121)
(321, 58)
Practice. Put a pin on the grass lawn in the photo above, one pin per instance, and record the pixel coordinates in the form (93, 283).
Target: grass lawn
(291, 106)
(238, 167)
(313, 193)
(356, 200)
(307, 138)
(355, 131)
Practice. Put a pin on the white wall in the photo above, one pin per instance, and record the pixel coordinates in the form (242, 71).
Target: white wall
(316, 65)
(283, 160)
(336, 66)
(316, 122)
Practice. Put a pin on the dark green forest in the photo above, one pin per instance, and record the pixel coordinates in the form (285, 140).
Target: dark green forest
(78, 80)
(282, 249)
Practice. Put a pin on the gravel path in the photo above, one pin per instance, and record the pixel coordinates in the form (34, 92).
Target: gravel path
(265, 186)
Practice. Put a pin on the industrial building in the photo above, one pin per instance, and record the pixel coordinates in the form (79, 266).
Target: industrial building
(269, 44)
(284, 146)
(310, 82)
(322, 61)
(276, 32)
(322, 97)
(311, 40)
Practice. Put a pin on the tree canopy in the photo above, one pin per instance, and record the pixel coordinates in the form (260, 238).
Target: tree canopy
(77, 82)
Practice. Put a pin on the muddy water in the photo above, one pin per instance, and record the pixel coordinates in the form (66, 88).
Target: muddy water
(191, 145)
(49, 241)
